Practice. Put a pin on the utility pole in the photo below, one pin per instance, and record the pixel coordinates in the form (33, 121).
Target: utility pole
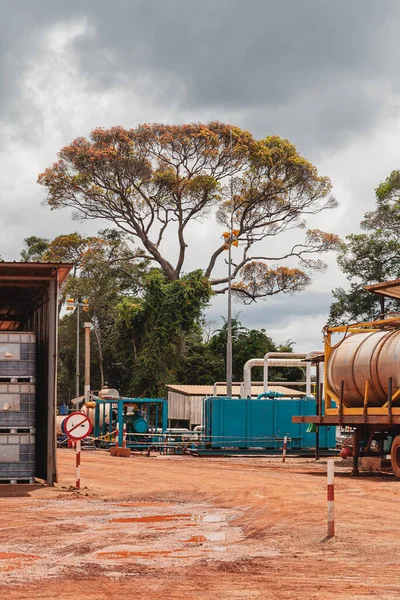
(229, 321)
(73, 304)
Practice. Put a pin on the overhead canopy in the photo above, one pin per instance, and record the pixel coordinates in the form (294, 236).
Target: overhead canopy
(389, 289)
(208, 390)
(24, 288)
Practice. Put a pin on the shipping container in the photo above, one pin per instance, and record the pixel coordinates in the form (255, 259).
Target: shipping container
(29, 307)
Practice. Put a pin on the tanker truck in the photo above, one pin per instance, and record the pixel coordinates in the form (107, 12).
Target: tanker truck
(361, 387)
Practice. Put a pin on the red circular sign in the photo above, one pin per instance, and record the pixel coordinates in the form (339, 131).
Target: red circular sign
(77, 426)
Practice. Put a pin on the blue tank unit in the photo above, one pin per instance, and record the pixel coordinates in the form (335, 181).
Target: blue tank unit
(135, 423)
(261, 423)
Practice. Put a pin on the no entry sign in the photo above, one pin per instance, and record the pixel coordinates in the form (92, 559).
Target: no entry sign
(77, 426)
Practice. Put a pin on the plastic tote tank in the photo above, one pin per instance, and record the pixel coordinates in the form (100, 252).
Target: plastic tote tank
(251, 423)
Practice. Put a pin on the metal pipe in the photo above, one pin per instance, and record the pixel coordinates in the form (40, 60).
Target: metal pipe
(308, 379)
(270, 355)
(292, 355)
(272, 362)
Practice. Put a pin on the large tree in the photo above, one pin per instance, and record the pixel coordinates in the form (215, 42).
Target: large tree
(156, 179)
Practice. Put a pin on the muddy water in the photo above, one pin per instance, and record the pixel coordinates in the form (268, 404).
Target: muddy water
(144, 554)
(150, 518)
(213, 536)
(15, 560)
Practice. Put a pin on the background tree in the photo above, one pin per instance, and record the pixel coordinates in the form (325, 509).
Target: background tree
(205, 360)
(156, 329)
(33, 248)
(370, 257)
(104, 270)
(155, 179)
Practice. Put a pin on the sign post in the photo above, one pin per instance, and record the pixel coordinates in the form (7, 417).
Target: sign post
(77, 426)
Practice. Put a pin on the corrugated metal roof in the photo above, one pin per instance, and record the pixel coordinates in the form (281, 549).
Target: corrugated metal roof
(24, 288)
(208, 390)
(389, 289)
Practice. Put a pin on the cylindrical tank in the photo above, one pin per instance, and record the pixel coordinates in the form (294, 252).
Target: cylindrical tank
(89, 410)
(59, 420)
(360, 356)
(135, 423)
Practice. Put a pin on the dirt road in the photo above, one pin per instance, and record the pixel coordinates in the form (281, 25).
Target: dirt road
(188, 528)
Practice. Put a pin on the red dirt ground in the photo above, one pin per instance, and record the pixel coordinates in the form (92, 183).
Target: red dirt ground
(170, 528)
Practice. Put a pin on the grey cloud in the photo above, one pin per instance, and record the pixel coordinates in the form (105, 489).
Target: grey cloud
(255, 59)
(278, 310)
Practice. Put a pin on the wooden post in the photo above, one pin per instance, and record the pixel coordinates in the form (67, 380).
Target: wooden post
(284, 448)
(331, 497)
(87, 328)
(78, 464)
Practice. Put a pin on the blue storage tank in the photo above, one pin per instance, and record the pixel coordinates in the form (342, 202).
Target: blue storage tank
(252, 423)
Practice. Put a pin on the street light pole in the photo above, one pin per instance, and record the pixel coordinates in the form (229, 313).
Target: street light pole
(229, 321)
(229, 327)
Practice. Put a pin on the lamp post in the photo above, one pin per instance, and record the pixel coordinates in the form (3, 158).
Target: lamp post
(231, 239)
(73, 304)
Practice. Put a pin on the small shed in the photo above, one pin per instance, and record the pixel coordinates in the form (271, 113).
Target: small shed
(185, 402)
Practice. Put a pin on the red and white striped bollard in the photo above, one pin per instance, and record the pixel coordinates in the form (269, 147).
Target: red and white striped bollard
(284, 448)
(78, 464)
(117, 435)
(124, 435)
(331, 497)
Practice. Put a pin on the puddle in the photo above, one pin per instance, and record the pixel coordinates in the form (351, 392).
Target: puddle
(173, 528)
(211, 518)
(214, 536)
(19, 560)
(151, 518)
(142, 504)
(146, 554)
(127, 554)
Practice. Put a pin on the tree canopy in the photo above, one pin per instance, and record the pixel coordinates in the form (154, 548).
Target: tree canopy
(370, 257)
(156, 179)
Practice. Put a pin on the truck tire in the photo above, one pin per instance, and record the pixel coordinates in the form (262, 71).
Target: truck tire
(395, 456)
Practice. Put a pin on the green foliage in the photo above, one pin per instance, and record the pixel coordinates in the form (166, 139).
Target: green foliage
(370, 257)
(157, 327)
(206, 361)
(34, 248)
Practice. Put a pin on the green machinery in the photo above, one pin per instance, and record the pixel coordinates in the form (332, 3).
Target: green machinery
(145, 421)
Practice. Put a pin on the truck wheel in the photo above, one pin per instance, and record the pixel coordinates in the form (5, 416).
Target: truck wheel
(395, 456)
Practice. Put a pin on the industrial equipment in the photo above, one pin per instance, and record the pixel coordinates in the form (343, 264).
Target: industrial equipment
(361, 386)
(249, 424)
(145, 421)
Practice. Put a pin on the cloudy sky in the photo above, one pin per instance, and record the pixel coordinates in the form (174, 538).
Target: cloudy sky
(323, 73)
